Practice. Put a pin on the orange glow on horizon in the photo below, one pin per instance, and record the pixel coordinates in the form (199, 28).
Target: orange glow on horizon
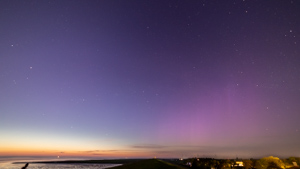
(97, 153)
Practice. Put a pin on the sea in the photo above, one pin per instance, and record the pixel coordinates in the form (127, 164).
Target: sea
(19, 162)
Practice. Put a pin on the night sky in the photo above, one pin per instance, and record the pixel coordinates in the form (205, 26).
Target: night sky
(164, 78)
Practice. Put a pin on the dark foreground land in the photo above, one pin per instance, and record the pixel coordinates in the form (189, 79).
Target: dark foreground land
(127, 163)
(149, 164)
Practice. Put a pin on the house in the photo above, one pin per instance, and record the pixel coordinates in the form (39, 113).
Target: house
(239, 164)
(295, 164)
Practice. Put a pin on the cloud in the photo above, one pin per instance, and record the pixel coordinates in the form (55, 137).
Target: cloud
(99, 151)
(61, 152)
(90, 151)
(98, 154)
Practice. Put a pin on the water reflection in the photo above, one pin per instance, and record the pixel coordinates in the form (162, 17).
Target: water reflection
(9, 163)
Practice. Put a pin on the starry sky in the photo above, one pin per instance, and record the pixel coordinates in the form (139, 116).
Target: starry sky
(164, 78)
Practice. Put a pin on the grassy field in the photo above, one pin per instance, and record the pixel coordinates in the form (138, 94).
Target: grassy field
(149, 164)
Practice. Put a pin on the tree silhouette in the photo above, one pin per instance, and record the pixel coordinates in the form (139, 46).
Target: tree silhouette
(273, 165)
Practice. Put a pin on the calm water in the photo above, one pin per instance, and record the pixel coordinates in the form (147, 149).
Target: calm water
(7, 163)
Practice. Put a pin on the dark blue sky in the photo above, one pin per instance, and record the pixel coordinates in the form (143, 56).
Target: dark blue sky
(150, 78)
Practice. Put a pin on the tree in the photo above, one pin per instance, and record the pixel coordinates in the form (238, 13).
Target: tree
(213, 163)
(248, 164)
(271, 161)
(195, 163)
(224, 164)
(273, 165)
